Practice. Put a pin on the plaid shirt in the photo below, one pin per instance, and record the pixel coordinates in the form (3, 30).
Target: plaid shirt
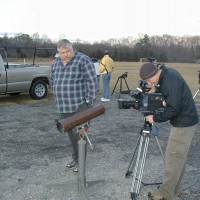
(73, 83)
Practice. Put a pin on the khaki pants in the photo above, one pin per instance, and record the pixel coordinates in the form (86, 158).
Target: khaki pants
(175, 160)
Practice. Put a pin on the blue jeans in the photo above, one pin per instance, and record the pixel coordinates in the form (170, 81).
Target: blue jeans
(98, 82)
(106, 85)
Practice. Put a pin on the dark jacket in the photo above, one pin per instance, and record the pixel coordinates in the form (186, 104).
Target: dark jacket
(181, 109)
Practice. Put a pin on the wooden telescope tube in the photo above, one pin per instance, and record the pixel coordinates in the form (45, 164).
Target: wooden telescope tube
(67, 124)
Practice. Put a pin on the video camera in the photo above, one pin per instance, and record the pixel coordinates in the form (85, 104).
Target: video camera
(147, 103)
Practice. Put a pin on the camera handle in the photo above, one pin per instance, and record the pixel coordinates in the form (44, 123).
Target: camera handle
(83, 134)
(136, 166)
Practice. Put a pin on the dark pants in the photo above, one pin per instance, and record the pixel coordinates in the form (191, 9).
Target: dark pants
(73, 134)
(98, 82)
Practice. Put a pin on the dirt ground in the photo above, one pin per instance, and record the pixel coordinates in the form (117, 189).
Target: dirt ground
(34, 155)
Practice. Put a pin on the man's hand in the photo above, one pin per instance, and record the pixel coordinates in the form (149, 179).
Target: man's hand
(149, 118)
(89, 103)
(153, 89)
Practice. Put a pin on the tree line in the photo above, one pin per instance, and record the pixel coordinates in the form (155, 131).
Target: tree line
(165, 48)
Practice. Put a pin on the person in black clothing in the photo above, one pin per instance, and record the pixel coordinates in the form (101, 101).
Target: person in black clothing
(181, 111)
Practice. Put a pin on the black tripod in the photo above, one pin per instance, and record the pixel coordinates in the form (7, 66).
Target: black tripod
(136, 166)
(123, 76)
(199, 88)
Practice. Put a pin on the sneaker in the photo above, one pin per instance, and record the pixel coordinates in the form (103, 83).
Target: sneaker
(104, 99)
(155, 196)
(72, 164)
(75, 170)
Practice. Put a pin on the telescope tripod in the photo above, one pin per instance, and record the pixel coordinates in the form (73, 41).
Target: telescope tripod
(136, 166)
(122, 77)
(81, 184)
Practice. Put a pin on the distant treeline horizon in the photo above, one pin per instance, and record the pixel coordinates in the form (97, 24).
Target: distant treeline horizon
(165, 48)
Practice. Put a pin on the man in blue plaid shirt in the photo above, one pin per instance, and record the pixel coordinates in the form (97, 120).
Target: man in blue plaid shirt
(74, 84)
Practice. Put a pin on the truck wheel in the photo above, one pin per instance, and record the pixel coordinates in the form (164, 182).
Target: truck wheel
(38, 90)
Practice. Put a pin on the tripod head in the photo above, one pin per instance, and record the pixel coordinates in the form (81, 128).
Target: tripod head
(124, 75)
(146, 129)
(147, 126)
(149, 129)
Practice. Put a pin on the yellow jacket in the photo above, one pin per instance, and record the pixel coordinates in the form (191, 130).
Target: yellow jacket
(107, 64)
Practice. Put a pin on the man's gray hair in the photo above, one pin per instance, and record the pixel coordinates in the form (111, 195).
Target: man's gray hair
(64, 43)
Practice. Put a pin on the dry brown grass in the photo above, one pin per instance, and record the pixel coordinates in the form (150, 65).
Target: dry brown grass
(188, 71)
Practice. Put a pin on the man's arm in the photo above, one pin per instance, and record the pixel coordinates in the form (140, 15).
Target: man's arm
(90, 80)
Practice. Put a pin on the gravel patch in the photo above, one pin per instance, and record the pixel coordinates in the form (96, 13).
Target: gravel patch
(34, 155)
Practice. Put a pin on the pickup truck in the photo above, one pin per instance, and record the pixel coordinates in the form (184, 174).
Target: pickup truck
(20, 78)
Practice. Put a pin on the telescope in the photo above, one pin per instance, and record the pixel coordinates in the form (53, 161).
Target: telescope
(80, 118)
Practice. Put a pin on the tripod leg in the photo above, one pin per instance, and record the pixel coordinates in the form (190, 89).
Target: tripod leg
(139, 166)
(131, 165)
(146, 143)
(196, 93)
(160, 148)
(115, 86)
(120, 91)
(136, 165)
(126, 84)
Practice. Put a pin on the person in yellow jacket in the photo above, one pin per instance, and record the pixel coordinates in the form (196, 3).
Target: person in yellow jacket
(106, 67)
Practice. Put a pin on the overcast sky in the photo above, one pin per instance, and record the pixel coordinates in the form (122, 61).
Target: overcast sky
(96, 20)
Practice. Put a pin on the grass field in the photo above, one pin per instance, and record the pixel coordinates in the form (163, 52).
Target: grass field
(188, 71)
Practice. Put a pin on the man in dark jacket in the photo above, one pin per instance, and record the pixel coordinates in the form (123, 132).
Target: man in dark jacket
(181, 111)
